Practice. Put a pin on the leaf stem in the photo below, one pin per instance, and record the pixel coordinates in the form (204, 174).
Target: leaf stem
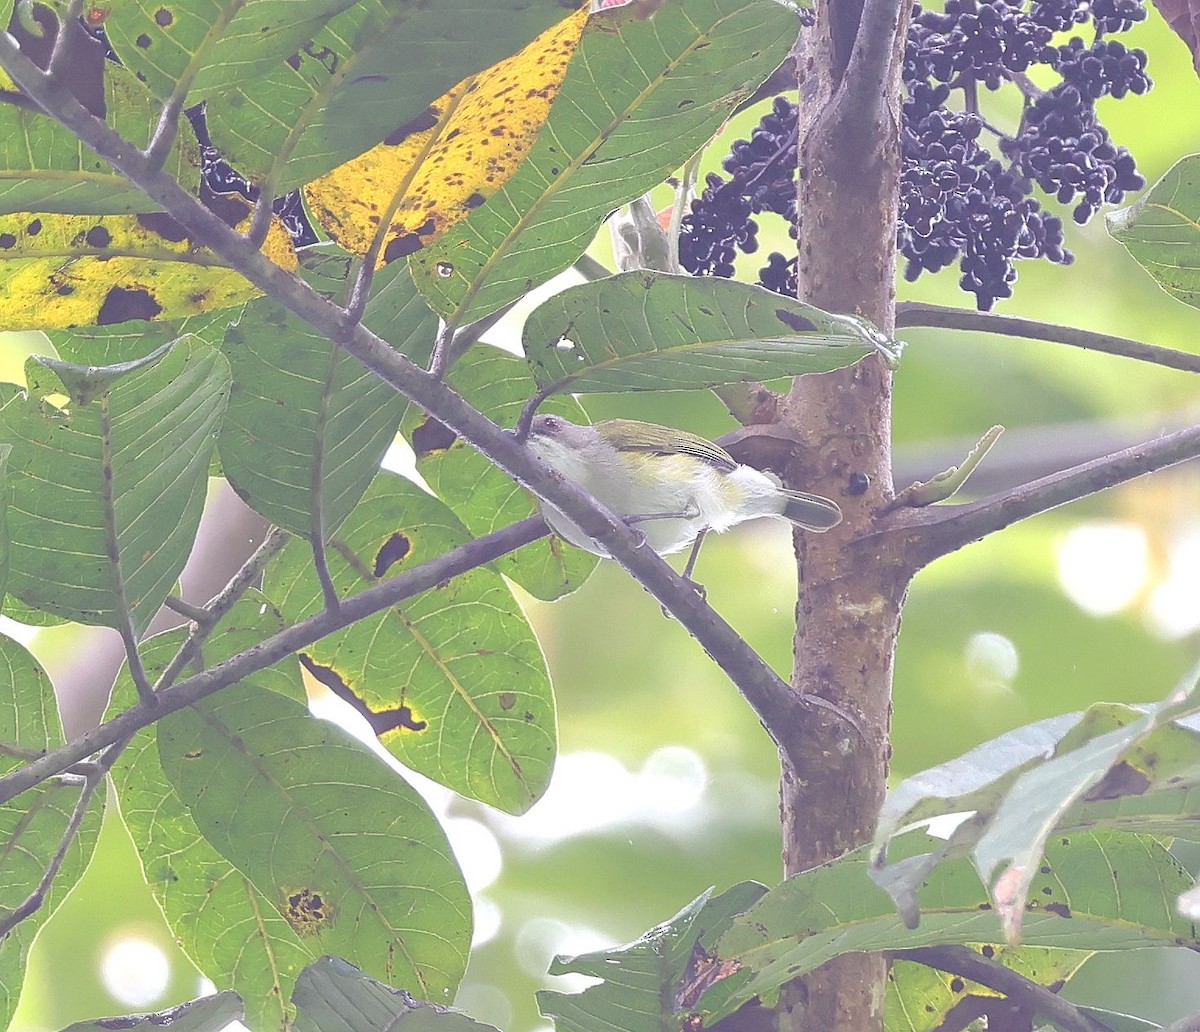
(62, 44)
(966, 963)
(917, 313)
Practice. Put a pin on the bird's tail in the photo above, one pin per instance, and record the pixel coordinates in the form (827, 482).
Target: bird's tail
(813, 512)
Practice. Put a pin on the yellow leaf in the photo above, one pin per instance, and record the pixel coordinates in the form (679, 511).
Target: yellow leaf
(58, 271)
(433, 171)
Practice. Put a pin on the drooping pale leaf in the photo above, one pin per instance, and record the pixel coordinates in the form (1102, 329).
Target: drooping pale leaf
(919, 998)
(370, 72)
(32, 824)
(434, 170)
(230, 930)
(654, 331)
(452, 681)
(342, 847)
(207, 1014)
(44, 167)
(127, 341)
(1041, 796)
(218, 44)
(106, 494)
(648, 981)
(334, 996)
(483, 497)
(307, 424)
(688, 67)
(1161, 229)
(59, 271)
(1092, 891)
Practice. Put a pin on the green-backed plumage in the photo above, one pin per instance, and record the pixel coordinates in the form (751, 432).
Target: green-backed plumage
(634, 435)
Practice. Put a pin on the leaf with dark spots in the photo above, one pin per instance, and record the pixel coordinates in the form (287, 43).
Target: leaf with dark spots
(121, 305)
(474, 201)
(1122, 780)
(430, 437)
(163, 17)
(98, 237)
(7, 240)
(34, 228)
(401, 247)
(1061, 909)
(393, 551)
(426, 120)
(796, 322)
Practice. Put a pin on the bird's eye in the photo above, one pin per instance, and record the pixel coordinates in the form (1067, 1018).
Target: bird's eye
(550, 424)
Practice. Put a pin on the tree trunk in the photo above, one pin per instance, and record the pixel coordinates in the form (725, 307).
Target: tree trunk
(847, 618)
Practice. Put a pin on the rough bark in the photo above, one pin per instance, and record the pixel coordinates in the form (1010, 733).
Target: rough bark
(847, 615)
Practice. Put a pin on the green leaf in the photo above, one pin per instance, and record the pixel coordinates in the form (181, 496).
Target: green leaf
(452, 681)
(646, 982)
(1161, 229)
(919, 998)
(369, 73)
(128, 341)
(1077, 903)
(207, 1014)
(482, 496)
(307, 424)
(230, 930)
(652, 331)
(107, 492)
(220, 44)
(45, 168)
(1041, 796)
(688, 66)
(333, 996)
(32, 824)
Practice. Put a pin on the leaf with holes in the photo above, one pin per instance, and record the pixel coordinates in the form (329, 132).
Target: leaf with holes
(648, 982)
(1161, 229)
(229, 929)
(32, 824)
(688, 66)
(1076, 903)
(919, 998)
(370, 73)
(106, 491)
(434, 170)
(452, 681)
(307, 424)
(59, 271)
(653, 331)
(211, 45)
(482, 496)
(45, 168)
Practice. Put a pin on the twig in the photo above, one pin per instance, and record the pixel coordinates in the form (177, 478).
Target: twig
(221, 603)
(772, 698)
(859, 101)
(959, 960)
(939, 530)
(917, 313)
(525, 419)
(260, 222)
(278, 646)
(683, 197)
(62, 48)
(37, 898)
(185, 609)
(166, 130)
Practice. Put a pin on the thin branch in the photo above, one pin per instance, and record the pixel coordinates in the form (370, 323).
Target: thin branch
(221, 603)
(62, 45)
(859, 102)
(260, 222)
(37, 898)
(167, 129)
(198, 614)
(917, 313)
(271, 650)
(938, 530)
(772, 698)
(360, 291)
(321, 564)
(959, 960)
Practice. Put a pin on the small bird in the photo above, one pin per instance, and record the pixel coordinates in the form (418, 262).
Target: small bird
(680, 485)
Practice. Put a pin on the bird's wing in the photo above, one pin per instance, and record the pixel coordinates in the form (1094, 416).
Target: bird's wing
(634, 435)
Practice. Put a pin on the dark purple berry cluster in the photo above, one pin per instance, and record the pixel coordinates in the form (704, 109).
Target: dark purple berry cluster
(967, 188)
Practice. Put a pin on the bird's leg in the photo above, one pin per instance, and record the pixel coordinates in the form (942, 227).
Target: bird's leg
(691, 564)
(690, 513)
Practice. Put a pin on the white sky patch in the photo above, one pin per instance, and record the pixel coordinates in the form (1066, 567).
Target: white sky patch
(1103, 565)
(135, 970)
